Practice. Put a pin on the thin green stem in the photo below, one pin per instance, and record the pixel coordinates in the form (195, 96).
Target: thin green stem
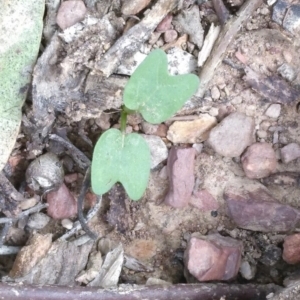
(123, 120)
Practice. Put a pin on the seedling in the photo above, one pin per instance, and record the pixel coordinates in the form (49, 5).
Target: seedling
(125, 158)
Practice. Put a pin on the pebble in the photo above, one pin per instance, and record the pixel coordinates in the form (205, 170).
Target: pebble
(215, 93)
(273, 111)
(132, 7)
(291, 246)
(67, 223)
(180, 167)
(170, 36)
(69, 13)
(259, 160)
(198, 147)
(232, 135)
(38, 220)
(213, 257)
(204, 200)
(271, 255)
(103, 122)
(287, 72)
(290, 152)
(257, 210)
(154, 129)
(165, 24)
(191, 132)
(158, 149)
(247, 271)
(28, 203)
(62, 204)
(70, 178)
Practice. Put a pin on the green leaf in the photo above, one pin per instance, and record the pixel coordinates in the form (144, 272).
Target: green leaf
(121, 158)
(156, 94)
(21, 24)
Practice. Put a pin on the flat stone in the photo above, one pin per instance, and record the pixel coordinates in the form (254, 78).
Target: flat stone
(38, 220)
(204, 201)
(62, 204)
(271, 255)
(256, 210)
(213, 257)
(191, 132)
(259, 160)
(180, 169)
(132, 7)
(291, 246)
(232, 135)
(290, 152)
(158, 149)
(70, 13)
(273, 111)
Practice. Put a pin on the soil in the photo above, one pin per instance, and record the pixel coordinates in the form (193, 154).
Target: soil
(157, 234)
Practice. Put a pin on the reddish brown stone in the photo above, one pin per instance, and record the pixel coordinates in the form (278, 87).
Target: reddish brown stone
(204, 201)
(213, 257)
(258, 211)
(62, 204)
(291, 246)
(70, 13)
(180, 169)
(165, 24)
(259, 160)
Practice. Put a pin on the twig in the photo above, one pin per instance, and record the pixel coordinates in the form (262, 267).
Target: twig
(224, 39)
(25, 213)
(77, 226)
(81, 159)
(131, 41)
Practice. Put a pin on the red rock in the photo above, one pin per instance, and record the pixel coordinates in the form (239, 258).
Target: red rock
(132, 7)
(62, 204)
(258, 211)
(165, 24)
(204, 201)
(291, 246)
(70, 13)
(290, 152)
(259, 160)
(213, 257)
(180, 168)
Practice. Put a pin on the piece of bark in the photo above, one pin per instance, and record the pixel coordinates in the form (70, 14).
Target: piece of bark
(63, 262)
(131, 41)
(273, 88)
(226, 36)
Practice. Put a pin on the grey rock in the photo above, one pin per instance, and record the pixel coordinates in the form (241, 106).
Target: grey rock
(38, 221)
(291, 21)
(290, 152)
(132, 7)
(232, 136)
(287, 72)
(158, 149)
(247, 271)
(271, 255)
(273, 111)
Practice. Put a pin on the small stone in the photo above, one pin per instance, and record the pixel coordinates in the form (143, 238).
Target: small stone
(237, 100)
(273, 111)
(247, 271)
(180, 169)
(103, 122)
(214, 112)
(70, 13)
(256, 210)
(142, 249)
(259, 161)
(232, 135)
(204, 201)
(28, 203)
(90, 200)
(132, 7)
(271, 255)
(165, 24)
(291, 246)
(215, 93)
(158, 149)
(287, 72)
(62, 204)
(36, 248)
(67, 223)
(261, 134)
(37, 221)
(198, 147)
(154, 129)
(70, 178)
(290, 152)
(191, 132)
(213, 257)
(291, 21)
(170, 36)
